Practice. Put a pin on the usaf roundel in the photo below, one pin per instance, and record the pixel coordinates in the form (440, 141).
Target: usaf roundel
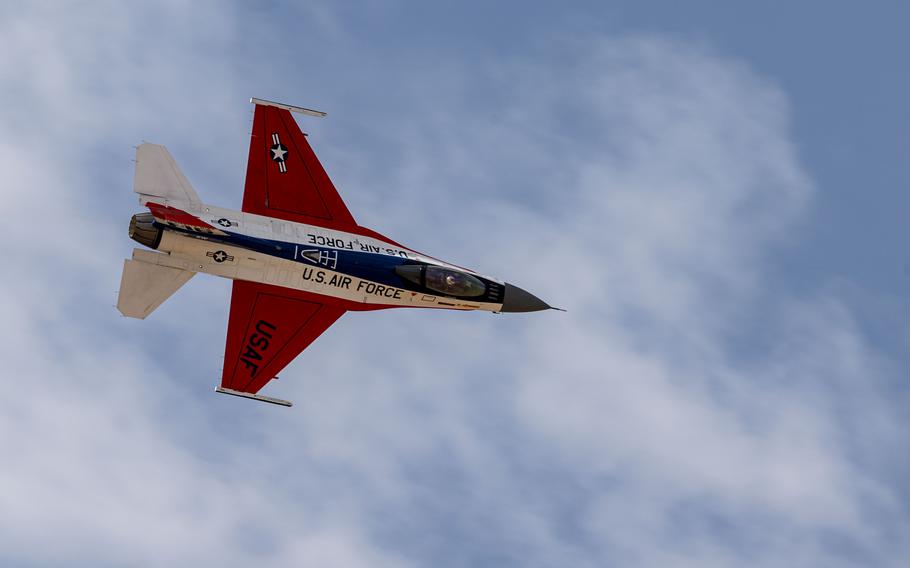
(278, 152)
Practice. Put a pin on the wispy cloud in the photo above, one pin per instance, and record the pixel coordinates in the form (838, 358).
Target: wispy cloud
(687, 410)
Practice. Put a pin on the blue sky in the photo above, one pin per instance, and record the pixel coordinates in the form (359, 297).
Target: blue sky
(715, 192)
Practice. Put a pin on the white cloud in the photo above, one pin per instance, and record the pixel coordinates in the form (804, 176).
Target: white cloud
(640, 182)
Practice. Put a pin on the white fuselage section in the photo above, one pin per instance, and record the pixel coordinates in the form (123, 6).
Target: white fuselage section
(305, 258)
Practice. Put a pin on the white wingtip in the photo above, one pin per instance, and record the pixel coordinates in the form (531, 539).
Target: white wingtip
(292, 108)
(251, 396)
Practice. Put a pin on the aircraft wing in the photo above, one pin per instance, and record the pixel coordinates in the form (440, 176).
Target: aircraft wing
(268, 327)
(284, 179)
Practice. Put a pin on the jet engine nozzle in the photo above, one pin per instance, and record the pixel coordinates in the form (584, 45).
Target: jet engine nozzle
(144, 231)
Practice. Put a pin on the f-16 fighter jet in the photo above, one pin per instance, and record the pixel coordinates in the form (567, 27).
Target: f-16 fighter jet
(297, 256)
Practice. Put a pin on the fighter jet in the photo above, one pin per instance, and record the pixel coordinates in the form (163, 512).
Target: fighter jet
(297, 257)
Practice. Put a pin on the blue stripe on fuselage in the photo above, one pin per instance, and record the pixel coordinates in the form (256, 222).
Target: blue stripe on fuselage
(377, 267)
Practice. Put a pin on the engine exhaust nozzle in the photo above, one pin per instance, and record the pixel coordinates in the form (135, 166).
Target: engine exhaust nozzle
(145, 231)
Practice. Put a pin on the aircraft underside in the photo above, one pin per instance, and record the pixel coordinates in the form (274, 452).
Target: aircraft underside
(344, 273)
(296, 255)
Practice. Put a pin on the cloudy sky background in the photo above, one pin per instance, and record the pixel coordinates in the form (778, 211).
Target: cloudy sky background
(716, 194)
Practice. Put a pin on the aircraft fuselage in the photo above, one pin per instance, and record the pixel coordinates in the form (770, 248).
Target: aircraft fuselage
(365, 271)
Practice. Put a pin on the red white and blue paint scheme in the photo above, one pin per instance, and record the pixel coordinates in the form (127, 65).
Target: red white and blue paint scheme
(296, 255)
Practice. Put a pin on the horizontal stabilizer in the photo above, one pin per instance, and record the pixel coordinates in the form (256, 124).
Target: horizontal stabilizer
(157, 175)
(145, 286)
(259, 397)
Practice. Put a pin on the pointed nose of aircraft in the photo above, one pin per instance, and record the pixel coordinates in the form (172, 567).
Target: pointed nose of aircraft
(518, 300)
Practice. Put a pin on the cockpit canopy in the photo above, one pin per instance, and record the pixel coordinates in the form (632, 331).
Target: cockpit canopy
(453, 283)
(443, 280)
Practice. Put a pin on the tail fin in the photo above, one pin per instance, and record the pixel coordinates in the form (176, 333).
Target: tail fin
(157, 175)
(144, 286)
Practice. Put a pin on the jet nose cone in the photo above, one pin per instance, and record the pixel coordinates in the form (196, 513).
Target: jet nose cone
(518, 300)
